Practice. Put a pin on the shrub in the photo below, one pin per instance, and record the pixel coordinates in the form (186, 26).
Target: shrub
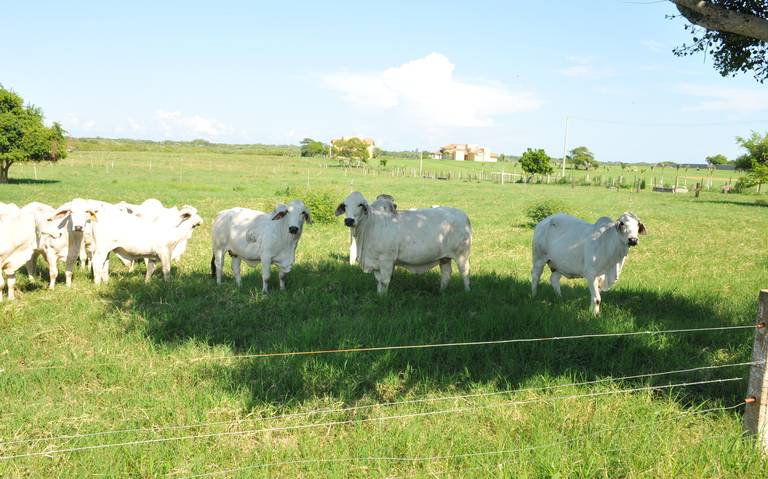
(382, 162)
(642, 184)
(540, 210)
(321, 205)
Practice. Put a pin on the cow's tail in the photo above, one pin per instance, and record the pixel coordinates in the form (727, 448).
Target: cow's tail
(213, 266)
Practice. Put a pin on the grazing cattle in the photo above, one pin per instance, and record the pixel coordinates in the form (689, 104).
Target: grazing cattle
(576, 249)
(17, 244)
(383, 201)
(254, 236)
(417, 240)
(135, 238)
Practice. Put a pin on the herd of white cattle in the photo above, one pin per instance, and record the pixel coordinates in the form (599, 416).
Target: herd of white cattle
(382, 237)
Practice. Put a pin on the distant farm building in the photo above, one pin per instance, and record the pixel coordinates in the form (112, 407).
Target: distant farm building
(368, 142)
(467, 152)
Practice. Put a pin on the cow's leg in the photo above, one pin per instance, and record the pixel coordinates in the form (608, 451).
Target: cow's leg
(151, 265)
(265, 264)
(53, 267)
(105, 269)
(538, 268)
(384, 276)
(218, 263)
(73, 253)
(594, 291)
(32, 267)
(352, 249)
(462, 262)
(2, 285)
(555, 281)
(235, 270)
(11, 281)
(283, 273)
(97, 263)
(82, 256)
(445, 273)
(165, 264)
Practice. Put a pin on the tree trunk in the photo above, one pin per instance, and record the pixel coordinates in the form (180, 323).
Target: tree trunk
(714, 17)
(4, 167)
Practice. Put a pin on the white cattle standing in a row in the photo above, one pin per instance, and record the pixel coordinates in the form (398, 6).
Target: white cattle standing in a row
(254, 236)
(576, 249)
(417, 240)
(17, 244)
(134, 238)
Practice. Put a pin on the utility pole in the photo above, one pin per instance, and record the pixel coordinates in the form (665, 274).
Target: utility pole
(565, 144)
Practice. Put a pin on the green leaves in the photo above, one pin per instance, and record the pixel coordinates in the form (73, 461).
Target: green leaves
(536, 162)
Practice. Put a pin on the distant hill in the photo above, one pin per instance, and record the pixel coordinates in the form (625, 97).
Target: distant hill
(125, 144)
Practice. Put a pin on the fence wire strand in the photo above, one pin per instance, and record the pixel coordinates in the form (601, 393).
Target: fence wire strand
(463, 455)
(330, 424)
(424, 399)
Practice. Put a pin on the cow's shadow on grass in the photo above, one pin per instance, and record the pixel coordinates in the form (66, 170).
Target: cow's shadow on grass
(332, 305)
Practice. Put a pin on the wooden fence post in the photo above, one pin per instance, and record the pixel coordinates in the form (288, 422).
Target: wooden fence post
(756, 410)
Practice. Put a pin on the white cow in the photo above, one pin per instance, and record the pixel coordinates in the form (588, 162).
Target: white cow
(73, 216)
(418, 240)
(51, 240)
(383, 201)
(135, 238)
(576, 249)
(254, 236)
(17, 244)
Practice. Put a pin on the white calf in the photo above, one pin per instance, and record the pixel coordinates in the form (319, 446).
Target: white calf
(17, 244)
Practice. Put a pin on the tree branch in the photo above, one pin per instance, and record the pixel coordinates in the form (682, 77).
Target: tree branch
(706, 14)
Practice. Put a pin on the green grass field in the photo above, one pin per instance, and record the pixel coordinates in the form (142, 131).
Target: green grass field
(128, 379)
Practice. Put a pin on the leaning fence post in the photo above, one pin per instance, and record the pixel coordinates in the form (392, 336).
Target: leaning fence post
(756, 410)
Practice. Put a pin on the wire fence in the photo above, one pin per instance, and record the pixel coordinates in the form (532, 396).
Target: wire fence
(278, 354)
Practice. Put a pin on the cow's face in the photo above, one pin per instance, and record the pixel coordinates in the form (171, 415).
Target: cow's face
(630, 228)
(354, 208)
(77, 213)
(294, 214)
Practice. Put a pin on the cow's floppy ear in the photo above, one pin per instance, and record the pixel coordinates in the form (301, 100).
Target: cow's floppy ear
(341, 209)
(279, 215)
(307, 217)
(642, 230)
(59, 214)
(91, 215)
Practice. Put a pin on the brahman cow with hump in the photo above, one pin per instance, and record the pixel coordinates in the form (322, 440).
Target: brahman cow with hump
(417, 240)
(576, 249)
(254, 236)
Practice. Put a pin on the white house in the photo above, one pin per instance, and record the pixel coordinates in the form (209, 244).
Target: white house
(467, 152)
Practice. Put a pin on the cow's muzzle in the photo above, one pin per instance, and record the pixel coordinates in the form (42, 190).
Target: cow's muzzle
(632, 241)
(349, 222)
(78, 228)
(293, 229)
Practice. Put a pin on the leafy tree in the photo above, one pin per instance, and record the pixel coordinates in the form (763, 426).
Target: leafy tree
(536, 162)
(310, 147)
(735, 34)
(351, 149)
(582, 158)
(24, 137)
(716, 160)
(755, 161)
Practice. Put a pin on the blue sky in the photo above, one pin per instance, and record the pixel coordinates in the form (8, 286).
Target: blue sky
(409, 74)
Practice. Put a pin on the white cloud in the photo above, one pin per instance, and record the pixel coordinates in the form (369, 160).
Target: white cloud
(582, 67)
(726, 99)
(173, 123)
(427, 89)
(78, 125)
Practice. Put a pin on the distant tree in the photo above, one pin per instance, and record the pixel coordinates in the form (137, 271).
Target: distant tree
(755, 161)
(310, 147)
(735, 34)
(24, 137)
(716, 160)
(377, 152)
(582, 158)
(536, 162)
(351, 150)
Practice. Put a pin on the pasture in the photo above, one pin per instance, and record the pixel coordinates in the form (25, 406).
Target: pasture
(128, 379)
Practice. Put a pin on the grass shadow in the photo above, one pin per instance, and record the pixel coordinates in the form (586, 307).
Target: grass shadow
(332, 305)
(29, 181)
(760, 203)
